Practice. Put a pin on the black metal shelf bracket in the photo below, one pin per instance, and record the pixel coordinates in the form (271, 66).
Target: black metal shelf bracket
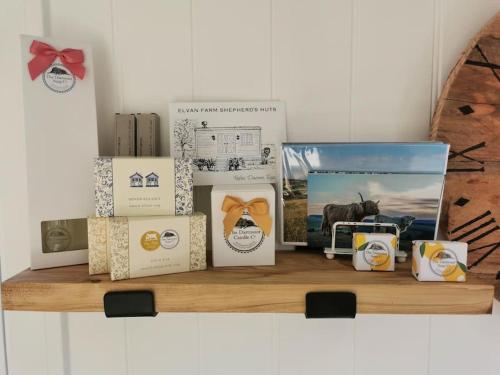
(330, 305)
(129, 303)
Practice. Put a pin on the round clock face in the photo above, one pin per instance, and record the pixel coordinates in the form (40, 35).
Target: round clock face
(468, 118)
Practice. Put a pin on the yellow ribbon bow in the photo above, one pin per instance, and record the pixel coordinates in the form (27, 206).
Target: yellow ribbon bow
(257, 208)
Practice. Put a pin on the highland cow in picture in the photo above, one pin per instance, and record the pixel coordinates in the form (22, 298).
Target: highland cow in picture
(354, 212)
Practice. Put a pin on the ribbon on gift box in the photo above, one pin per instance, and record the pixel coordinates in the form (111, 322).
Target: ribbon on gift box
(45, 55)
(257, 208)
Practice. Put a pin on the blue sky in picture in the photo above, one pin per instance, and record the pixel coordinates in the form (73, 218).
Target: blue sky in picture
(423, 157)
(417, 195)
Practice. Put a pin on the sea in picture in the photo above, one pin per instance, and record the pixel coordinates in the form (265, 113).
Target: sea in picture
(411, 201)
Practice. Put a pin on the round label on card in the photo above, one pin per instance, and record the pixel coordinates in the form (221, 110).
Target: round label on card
(246, 236)
(57, 239)
(169, 239)
(58, 78)
(376, 253)
(150, 240)
(443, 262)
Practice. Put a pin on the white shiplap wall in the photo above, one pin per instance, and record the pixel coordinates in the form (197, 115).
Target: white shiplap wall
(347, 69)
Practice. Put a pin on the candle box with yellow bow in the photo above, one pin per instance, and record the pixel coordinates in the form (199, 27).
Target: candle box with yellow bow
(143, 186)
(243, 225)
(439, 260)
(374, 251)
(130, 247)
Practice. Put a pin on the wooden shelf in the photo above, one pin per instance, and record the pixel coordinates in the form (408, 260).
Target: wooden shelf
(279, 288)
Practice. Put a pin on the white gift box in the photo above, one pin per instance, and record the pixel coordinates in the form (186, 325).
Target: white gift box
(61, 142)
(439, 260)
(246, 243)
(374, 251)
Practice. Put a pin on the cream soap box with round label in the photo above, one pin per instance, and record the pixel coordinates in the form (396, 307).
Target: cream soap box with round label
(143, 186)
(156, 245)
(374, 251)
(243, 225)
(439, 260)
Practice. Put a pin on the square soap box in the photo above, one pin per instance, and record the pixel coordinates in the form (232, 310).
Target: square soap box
(374, 251)
(129, 247)
(247, 244)
(143, 186)
(439, 260)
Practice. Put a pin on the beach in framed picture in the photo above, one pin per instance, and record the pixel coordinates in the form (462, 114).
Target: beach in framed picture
(411, 201)
(298, 159)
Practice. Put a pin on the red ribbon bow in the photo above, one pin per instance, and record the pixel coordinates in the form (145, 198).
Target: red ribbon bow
(45, 55)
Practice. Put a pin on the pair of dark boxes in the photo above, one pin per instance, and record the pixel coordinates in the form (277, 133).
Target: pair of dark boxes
(137, 134)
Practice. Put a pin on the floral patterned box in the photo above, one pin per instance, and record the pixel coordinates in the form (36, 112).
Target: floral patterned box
(143, 186)
(439, 260)
(130, 247)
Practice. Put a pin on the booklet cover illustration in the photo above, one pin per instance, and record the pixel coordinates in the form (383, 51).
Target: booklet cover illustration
(230, 143)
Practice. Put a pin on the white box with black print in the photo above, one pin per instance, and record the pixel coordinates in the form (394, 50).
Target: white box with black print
(243, 225)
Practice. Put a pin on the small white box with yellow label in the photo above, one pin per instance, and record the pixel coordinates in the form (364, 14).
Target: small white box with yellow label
(439, 260)
(374, 251)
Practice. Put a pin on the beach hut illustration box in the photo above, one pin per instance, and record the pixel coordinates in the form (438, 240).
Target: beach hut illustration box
(143, 186)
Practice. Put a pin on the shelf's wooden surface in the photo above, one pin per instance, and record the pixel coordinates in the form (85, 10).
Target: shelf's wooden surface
(279, 288)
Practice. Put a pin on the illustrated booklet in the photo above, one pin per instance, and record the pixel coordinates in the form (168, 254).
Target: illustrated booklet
(229, 142)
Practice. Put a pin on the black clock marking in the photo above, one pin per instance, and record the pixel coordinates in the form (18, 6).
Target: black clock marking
(454, 154)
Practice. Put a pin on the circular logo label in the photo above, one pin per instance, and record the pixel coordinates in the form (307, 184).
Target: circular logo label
(169, 239)
(376, 253)
(57, 239)
(246, 236)
(150, 240)
(443, 262)
(58, 78)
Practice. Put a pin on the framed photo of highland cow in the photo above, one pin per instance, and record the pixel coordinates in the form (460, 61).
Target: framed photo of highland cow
(298, 159)
(412, 201)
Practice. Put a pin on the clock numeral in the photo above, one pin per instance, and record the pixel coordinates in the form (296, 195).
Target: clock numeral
(475, 229)
(454, 154)
(492, 247)
(486, 63)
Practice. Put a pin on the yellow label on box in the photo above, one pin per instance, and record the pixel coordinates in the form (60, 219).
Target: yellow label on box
(155, 247)
(147, 184)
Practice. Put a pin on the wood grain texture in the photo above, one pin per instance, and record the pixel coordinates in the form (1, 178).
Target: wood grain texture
(467, 118)
(281, 288)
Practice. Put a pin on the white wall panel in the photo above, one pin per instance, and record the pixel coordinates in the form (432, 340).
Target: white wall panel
(315, 346)
(95, 345)
(391, 344)
(25, 332)
(236, 344)
(393, 47)
(312, 67)
(90, 21)
(232, 49)
(463, 345)
(153, 56)
(167, 344)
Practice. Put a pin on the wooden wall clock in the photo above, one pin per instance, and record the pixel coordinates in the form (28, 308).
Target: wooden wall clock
(468, 118)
